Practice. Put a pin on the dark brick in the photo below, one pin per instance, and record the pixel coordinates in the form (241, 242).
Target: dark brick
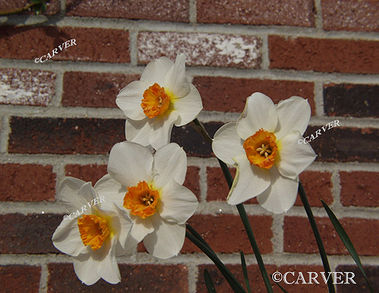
(93, 44)
(271, 12)
(350, 15)
(91, 89)
(29, 182)
(231, 93)
(168, 10)
(359, 188)
(351, 100)
(86, 172)
(19, 278)
(372, 273)
(52, 6)
(28, 233)
(134, 278)
(325, 55)
(192, 180)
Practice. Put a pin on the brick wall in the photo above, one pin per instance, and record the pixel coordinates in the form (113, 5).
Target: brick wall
(59, 118)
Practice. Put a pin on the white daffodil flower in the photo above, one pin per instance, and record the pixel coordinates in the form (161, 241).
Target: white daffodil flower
(161, 98)
(94, 237)
(149, 188)
(263, 145)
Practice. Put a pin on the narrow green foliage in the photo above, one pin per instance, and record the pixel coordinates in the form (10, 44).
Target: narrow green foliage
(209, 282)
(244, 269)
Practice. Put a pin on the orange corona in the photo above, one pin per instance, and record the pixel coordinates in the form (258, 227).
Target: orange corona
(155, 101)
(94, 230)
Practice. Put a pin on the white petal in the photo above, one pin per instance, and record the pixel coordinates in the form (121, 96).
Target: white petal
(129, 99)
(66, 238)
(259, 112)
(178, 203)
(294, 157)
(125, 224)
(281, 195)
(85, 269)
(170, 162)
(167, 239)
(68, 193)
(227, 144)
(138, 131)
(249, 182)
(130, 163)
(141, 228)
(188, 107)
(162, 127)
(176, 80)
(111, 191)
(294, 114)
(156, 71)
(108, 268)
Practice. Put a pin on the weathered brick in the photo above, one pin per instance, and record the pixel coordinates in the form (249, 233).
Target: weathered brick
(215, 228)
(26, 87)
(19, 278)
(342, 144)
(359, 188)
(227, 94)
(86, 172)
(350, 15)
(357, 100)
(299, 238)
(202, 49)
(317, 185)
(161, 278)
(218, 189)
(271, 12)
(52, 6)
(28, 233)
(29, 182)
(64, 136)
(92, 89)
(372, 273)
(92, 44)
(325, 55)
(168, 10)
(192, 180)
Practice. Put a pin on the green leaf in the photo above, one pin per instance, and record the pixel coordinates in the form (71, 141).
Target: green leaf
(244, 269)
(320, 245)
(346, 241)
(209, 282)
(281, 288)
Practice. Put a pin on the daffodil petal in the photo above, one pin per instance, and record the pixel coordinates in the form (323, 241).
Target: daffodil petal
(112, 192)
(141, 228)
(138, 131)
(124, 224)
(130, 163)
(281, 195)
(85, 269)
(108, 268)
(188, 107)
(66, 238)
(167, 239)
(178, 203)
(156, 71)
(68, 193)
(162, 127)
(227, 144)
(294, 114)
(294, 157)
(129, 99)
(259, 112)
(249, 182)
(175, 79)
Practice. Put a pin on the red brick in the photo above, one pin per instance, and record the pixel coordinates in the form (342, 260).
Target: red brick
(218, 188)
(350, 15)
(201, 49)
(19, 278)
(271, 12)
(86, 172)
(325, 55)
(52, 6)
(168, 10)
(93, 44)
(134, 278)
(359, 188)
(317, 185)
(91, 89)
(372, 273)
(226, 234)
(29, 182)
(356, 100)
(64, 136)
(192, 180)
(299, 238)
(28, 233)
(26, 87)
(231, 93)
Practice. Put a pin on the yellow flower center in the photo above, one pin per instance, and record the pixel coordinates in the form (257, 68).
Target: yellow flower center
(261, 149)
(142, 200)
(94, 230)
(156, 101)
